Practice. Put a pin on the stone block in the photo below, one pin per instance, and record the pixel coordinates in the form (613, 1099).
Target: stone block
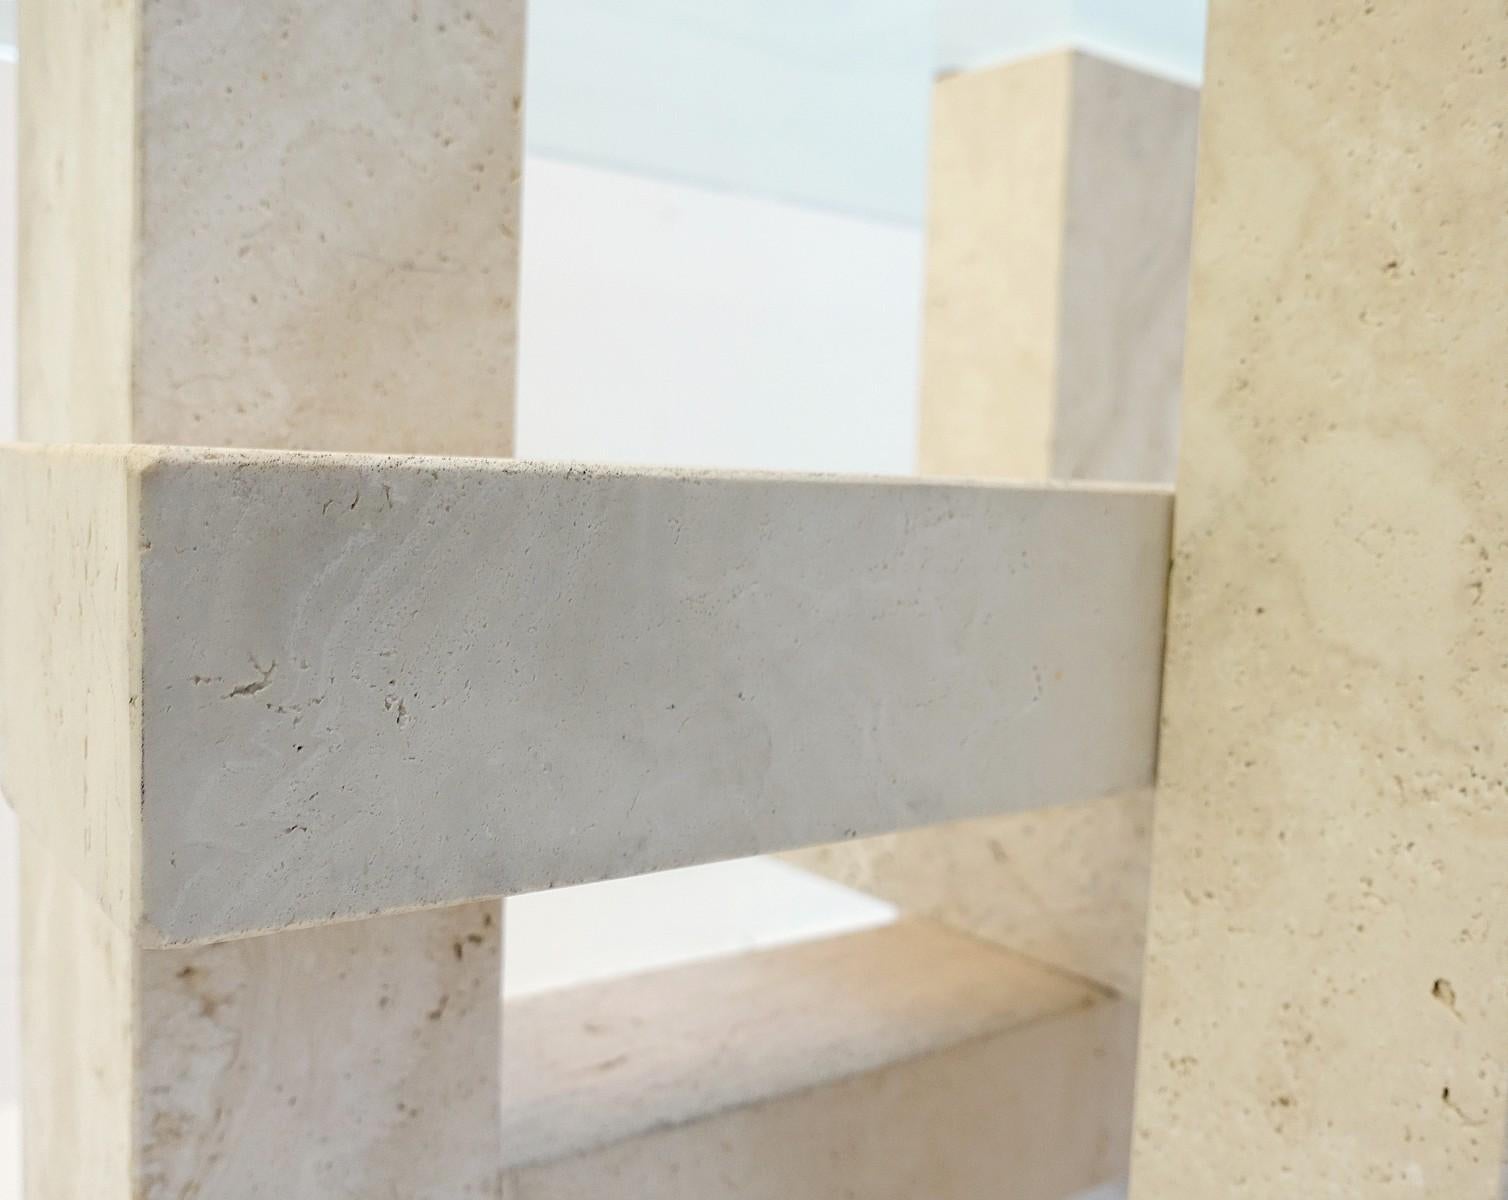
(302, 687)
(901, 1062)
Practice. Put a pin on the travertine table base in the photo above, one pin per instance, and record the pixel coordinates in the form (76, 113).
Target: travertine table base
(286, 229)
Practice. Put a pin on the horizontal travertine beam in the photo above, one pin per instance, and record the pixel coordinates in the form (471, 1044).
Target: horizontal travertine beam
(309, 686)
(1066, 886)
(780, 1074)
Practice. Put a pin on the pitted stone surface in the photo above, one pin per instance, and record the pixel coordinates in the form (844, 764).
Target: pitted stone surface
(277, 224)
(372, 683)
(1325, 1004)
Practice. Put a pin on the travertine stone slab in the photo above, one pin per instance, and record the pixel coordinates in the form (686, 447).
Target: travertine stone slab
(1326, 1006)
(272, 224)
(326, 1064)
(901, 1062)
(371, 683)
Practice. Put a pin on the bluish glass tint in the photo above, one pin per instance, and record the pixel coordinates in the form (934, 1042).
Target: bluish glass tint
(821, 103)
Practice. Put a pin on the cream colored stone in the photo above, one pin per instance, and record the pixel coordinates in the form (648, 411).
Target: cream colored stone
(996, 199)
(902, 1062)
(265, 279)
(1064, 366)
(70, 728)
(1061, 200)
(370, 683)
(77, 195)
(326, 1064)
(1326, 1005)
(275, 224)
(80, 1040)
(1123, 299)
(280, 225)
(1065, 885)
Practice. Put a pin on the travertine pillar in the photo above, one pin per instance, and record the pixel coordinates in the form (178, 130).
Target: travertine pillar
(1057, 256)
(1326, 1005)
(270, 225)
(1061, 202)
(280, 225)
(349, 1060)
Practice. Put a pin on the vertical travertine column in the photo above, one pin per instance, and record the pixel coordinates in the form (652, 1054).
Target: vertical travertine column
(275, 225)
(1326, 1006)
(1061, 204)
(272, 225)
(1057, 259)
(350, 1060)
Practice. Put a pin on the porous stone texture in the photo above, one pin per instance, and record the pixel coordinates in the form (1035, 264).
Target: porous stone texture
(77, 196)
(337, 1063)
(997, 194)
(1060, 206)
(1126, 225)
(79, 1040)
(276, 224)
(1065, 885)
(900, 1062)
(1062, 195)
(372, 683)
(1326, 1009)
(282, 225)
(70, 729)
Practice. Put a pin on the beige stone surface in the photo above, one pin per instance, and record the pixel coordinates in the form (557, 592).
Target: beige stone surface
(275, 225)
(996, 197)
(1060, 208)
(1068, 369)
(1326, 1002)
(1126, 225)
(348, 1062)
(79, 1041)
(368, 684)
(77, 199)
(900, 1062)
(338, 1063)
(279, 225)
(1066, 885)
(70, 729)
